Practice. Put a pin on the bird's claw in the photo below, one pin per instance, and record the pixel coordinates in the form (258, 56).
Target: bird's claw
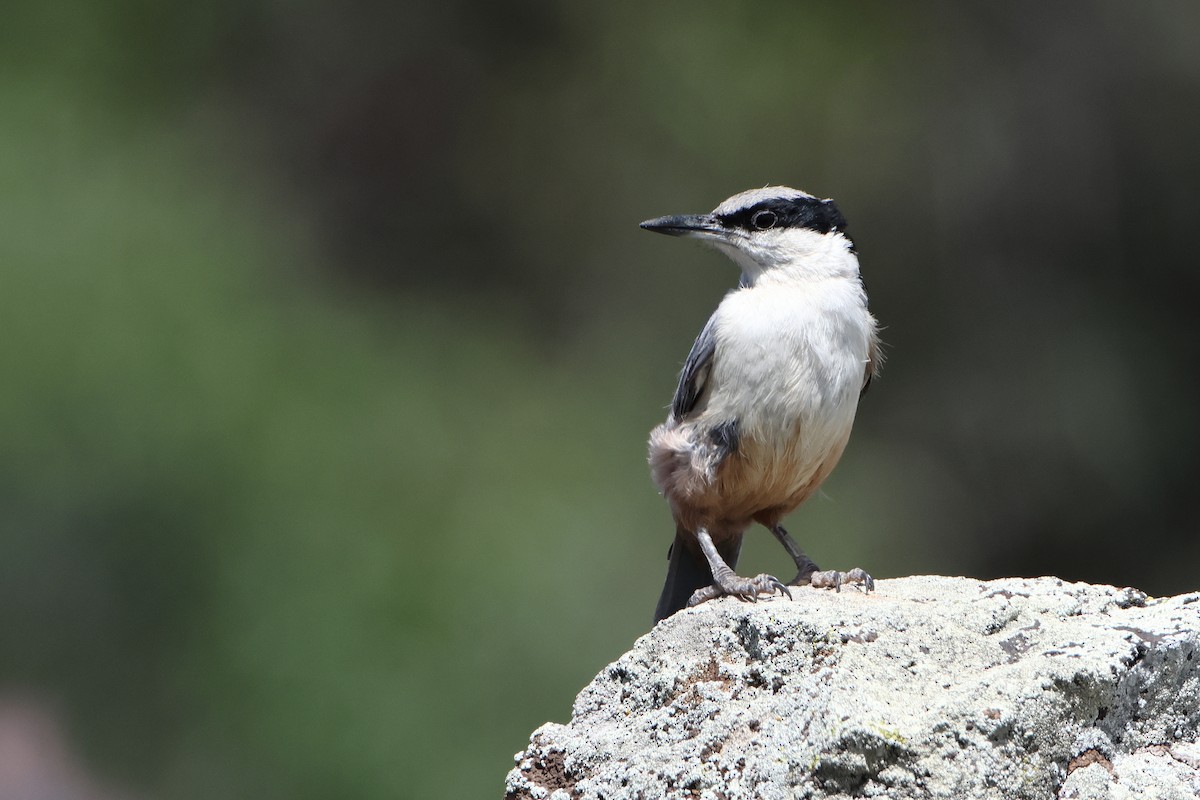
(747, 589)
(835, 579)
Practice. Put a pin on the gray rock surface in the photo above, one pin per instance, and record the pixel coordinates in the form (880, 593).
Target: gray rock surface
(931, 687)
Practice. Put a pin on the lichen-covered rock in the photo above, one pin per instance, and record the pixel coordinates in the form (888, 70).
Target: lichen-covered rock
(930, 687)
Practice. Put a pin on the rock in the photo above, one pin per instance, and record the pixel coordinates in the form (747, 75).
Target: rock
(930, 687)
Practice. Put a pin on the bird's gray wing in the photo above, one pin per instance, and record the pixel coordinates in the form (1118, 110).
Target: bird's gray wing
(696, 370)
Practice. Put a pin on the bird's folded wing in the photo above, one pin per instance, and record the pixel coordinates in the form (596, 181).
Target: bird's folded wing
(696, 370)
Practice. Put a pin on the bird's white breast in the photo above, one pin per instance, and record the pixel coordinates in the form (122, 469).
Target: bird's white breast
(790, 362)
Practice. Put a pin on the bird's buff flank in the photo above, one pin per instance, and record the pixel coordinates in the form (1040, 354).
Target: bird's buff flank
(768, 393)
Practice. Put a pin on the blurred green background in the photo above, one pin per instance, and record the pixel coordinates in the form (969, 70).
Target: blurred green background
(330, 344)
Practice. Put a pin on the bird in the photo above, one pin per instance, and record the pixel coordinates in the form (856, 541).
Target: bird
(768, 394)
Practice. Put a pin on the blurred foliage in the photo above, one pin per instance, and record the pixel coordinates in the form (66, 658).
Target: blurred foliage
(330, 344)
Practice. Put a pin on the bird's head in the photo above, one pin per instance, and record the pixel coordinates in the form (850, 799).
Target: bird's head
(770, 229)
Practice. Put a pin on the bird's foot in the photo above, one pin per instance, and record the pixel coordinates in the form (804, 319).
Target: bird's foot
(743, 588)
(835, 579)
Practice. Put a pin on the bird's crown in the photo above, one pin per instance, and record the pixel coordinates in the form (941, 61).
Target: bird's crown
(779, 207)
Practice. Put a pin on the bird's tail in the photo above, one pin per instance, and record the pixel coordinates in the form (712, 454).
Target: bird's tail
(688, 570)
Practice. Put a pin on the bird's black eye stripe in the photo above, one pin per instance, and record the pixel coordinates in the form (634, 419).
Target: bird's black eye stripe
(822, 216)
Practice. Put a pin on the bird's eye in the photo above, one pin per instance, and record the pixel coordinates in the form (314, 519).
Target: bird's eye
(763, 220)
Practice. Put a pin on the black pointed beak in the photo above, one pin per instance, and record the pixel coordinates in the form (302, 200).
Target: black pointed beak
(704, 225)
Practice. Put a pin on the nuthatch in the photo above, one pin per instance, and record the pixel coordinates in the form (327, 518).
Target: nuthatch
(768, 393)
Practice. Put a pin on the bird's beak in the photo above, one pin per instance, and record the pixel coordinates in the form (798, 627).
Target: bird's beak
(700, 226)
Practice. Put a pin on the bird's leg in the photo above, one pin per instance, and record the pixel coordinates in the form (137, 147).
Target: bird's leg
(810, 573)
(804, 565)
(726, 581)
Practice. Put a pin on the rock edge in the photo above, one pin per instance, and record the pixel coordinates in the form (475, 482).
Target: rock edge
(931, 687)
